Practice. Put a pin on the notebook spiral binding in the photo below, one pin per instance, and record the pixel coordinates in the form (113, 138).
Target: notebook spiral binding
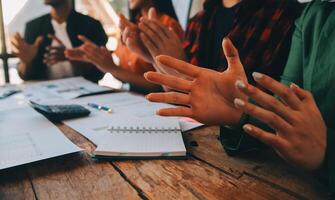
(137, 129)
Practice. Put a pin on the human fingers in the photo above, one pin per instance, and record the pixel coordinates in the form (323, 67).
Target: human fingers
(50, 60)
(169, 81)
(275, 141)
(38, 41)
(84, 39)
(157, 27)
(232, 56)
(152, 14)
(124, 22)
(265, 100)
(18, 39)
(153, 35)
(92, 51)
(52, 50)
(128, 33)
(154, 51)
(301, 93)
(55, 38)
(170, 98)
(268, 117)
(284, 92)
(179, 65)
(179, 111)
(74, 54)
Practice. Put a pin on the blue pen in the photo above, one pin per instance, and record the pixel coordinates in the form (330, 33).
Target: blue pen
(98, 107)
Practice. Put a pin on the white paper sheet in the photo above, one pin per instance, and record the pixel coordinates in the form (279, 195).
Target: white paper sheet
(26, 136)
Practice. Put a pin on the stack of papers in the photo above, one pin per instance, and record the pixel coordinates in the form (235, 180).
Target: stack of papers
(55, 90)
(34, 139)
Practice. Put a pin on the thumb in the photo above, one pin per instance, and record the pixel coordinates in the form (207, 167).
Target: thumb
(232, 56)
(84, 39)
(38, 41)
(152, 13)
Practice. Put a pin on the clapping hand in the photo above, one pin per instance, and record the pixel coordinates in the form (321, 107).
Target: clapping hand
(131, 38)
(91, 53)
(23, 50)
(54, 54)
(206, 95)
(299, 130)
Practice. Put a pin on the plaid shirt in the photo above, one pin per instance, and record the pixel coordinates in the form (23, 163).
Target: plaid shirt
(261, 31)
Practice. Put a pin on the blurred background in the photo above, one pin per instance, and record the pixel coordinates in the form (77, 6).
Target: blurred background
(17, 12)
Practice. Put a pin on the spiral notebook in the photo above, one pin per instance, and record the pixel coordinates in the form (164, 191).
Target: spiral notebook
(133, 138)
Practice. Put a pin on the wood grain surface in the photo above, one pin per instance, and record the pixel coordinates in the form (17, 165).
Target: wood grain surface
(209, 173)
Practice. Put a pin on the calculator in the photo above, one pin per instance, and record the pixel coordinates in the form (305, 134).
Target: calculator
(60, 112)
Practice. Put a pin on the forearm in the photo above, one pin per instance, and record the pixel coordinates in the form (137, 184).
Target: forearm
(137, 80)
(25, 70)
(330, 159)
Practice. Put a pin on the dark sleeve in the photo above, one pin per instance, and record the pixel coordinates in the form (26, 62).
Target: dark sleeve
(97, 35)
(29, 33)
(235, 140)
(38, 69)
(330, 160)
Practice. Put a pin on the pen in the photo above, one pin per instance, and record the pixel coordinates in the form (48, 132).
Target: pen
(98, 107)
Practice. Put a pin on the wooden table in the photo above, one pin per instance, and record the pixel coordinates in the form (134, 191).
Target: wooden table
(209, 174)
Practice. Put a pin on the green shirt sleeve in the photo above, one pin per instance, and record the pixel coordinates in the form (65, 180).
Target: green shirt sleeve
(293, 72)
(330, 159)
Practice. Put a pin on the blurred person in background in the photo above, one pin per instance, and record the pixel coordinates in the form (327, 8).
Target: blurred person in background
(132, 66)
(261, 31)
(41, 51)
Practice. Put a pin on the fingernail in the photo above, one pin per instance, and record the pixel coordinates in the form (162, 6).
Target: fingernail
(294, 85)
(247, 128)
(257, 76)
(239, 102)
(240, 84)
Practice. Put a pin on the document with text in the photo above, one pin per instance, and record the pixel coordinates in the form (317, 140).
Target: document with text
(26, 136)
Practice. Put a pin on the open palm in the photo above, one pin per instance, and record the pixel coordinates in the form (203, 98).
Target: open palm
(23, 50)
(206, 95)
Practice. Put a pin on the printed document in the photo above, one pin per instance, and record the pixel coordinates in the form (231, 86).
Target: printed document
(26, 136)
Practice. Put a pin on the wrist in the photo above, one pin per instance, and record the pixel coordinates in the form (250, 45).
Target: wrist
(238, 120)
